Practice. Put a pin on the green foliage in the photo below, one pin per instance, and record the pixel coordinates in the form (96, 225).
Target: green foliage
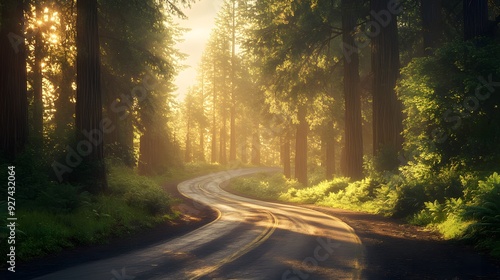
(356, 192)
(445, 217)
(264, 186)
(35, 189)
(315, 193)
(386, 160)
(366, 195)
(485, 214)
(138, 191)
(422, 184)
(61, 216)
(61, 198)
(452, 107)
(95, 222)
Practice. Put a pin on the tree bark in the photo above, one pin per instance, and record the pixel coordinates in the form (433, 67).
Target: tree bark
(213, 157)
(353, 122)
(13, 92)
(432, 24)
(301, 146)
(232, 144)
(63, 115)
(387, 109)
(88, 94)
(475, 18)
(37, 81)
(187, 154)
(287, 171)
(222, 142)
(329, 152)
(64, 109)
(201, 156)
(256, 145)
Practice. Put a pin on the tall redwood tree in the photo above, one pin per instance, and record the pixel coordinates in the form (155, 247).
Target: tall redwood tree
(353, 160)
(387, 109)
(13, 93)
(88, 94)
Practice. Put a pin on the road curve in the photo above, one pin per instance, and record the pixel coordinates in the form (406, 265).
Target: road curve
(250, 239)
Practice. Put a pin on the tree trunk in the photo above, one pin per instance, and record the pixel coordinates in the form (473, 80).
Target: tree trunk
(63, 115)
(475, 18)
(154, 152)
(301, 146)
(329, 152)
(201, 156)
(287, 171)
(37, 81)
(88, 94)
(256, 145)
(222, 142)
(353, 121)
(213, 158)
(64, 109)
(243, 146)
(13, 93)
(187, 154)
(432, 24)
(387, 109)
(232, 144)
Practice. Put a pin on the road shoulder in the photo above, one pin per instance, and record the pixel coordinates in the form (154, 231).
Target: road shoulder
(396, 250)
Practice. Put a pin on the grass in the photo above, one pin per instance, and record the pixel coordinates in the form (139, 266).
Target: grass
(61, 216)
(50, 223)
(339, 192)
(474, 216)
(44, 232)
(263, 185)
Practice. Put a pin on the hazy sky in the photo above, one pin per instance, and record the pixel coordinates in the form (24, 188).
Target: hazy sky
(201, 21)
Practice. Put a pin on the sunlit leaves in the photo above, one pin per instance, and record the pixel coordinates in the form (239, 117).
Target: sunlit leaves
(449, 110)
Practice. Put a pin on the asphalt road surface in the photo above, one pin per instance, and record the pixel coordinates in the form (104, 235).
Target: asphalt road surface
(250, 239)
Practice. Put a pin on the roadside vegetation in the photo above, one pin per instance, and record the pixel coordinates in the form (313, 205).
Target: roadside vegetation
(472, 217)
(53, 217)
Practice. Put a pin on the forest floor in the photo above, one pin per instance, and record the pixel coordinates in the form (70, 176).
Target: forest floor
(393, 249)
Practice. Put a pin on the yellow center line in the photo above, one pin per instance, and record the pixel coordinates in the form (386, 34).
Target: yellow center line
(250, 246)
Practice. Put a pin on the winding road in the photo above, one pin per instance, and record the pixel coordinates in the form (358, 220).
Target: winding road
(250, 239)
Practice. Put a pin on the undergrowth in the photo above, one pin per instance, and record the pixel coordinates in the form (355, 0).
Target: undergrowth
(58, 216)
(473, 216)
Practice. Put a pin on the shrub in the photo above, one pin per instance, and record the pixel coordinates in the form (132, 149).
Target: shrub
(315, 193)
(151, 198)
(485, 215)
(63, 198)
(445, 217)
(139, 191)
